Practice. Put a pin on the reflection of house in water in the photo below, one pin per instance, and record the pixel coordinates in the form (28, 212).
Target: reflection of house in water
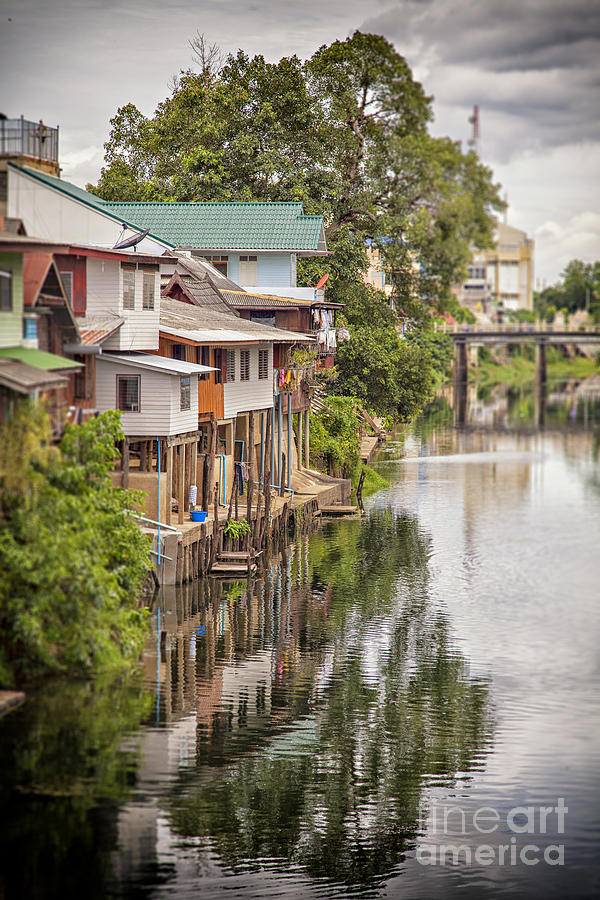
(218, 689)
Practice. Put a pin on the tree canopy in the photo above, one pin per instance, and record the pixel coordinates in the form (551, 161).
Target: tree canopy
(345, 131)
(73, 561)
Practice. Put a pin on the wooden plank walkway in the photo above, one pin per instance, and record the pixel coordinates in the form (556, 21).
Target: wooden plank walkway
(337, 510)
(232, 568)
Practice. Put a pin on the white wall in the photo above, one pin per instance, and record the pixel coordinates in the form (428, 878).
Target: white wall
(105, 294)
(159, 400)
(242, 396)
(46, 213)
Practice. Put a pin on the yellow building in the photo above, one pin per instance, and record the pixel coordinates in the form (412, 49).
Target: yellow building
(503, 275)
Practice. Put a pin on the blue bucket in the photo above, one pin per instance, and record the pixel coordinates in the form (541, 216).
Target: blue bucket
(197, 515)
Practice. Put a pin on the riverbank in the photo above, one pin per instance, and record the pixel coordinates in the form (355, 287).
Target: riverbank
(520, 371)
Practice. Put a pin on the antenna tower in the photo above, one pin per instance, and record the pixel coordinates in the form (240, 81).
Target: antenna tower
(473, 141)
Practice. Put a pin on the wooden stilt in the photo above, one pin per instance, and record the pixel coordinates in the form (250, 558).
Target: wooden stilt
(125, 464)
(180, 483)
(169, 471)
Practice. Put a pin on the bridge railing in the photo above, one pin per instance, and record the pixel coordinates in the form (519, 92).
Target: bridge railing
(515, 328)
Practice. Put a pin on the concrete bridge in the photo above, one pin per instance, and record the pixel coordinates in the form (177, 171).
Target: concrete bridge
(516, 334)
(511, 334)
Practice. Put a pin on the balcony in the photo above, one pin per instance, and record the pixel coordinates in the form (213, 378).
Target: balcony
(294, 381)
(19, 137)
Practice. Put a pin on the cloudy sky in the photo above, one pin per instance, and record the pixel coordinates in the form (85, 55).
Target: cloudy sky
(532, 66)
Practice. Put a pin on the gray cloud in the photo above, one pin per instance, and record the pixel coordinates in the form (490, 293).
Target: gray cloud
(534, 60)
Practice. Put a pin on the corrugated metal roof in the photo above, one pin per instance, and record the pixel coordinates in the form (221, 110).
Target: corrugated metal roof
(245, 300)
(226, 226)
(183, 318)
(39, 359)
(18, 376)
(156, 363)
(76, 193)
(97, 330)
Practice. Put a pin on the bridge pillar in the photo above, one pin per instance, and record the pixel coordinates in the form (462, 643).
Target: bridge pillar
(540, 404)
(461, 369)
(540, 361)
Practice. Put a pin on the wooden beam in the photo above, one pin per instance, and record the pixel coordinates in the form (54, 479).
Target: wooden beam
(169, 471)
(125, 464)
(180, 483)
(250, 466)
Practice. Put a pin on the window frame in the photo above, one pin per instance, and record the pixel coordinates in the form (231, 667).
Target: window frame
(230, 367)
(248, 259)
(148, 274)
(203, 359)
(138, 379)
(244, 365)
(185, 393)
(6, 293)
(263, 354)
(128, 269)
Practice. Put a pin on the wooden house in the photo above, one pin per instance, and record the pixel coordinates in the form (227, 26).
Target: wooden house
(36, 325)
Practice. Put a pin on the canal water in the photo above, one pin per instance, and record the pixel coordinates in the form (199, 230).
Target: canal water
(405, 706)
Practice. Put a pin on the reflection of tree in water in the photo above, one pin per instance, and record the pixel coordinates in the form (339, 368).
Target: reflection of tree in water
(339, 793)
(63, 776)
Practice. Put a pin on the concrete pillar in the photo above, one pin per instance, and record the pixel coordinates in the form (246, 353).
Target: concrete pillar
(540, 403)
(279, 444)
(461, 370)
(273, 473)
(262, 447)
(306, 441)
(289, 430)
(540, 361)
(169, 471)
(299, 448)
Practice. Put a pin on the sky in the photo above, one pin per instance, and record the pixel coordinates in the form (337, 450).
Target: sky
(532, 67)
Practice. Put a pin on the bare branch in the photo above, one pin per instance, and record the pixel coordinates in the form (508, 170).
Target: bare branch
(209, 57)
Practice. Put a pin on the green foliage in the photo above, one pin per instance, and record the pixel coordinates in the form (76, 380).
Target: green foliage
(65, 755)
(334, 436)
(577, 288)
(389, 374)
(236, 528)
(345, 131)
(438, 346)
(73, 560)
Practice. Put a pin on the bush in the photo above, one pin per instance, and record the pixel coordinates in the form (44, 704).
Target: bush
(72, 558)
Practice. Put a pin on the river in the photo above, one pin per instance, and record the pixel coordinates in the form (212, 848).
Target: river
(405, 706)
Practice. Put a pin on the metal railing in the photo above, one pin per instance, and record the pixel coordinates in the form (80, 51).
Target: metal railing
(19, 137)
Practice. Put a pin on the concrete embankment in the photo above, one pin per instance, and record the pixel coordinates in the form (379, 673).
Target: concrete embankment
(190, 550)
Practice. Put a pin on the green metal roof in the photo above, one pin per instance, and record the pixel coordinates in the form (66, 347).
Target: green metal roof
(232, 225)
(227, 226)
(39, 359)
(77, 193)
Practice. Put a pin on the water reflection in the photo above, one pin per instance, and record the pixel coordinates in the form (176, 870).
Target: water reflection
(305, 711)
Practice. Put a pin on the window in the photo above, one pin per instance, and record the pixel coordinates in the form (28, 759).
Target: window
(128, 287)
(244, 365)
(30, 331)
(231, 365)
(218, 260)
(218, 361)
(248, 272)
(178, 351)
(185, 392)
(263, 363)
(203, 359)
(128, 393)
(148, 289)
(6, 290)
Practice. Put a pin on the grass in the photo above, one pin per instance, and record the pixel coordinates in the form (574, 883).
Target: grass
(520, 370)
(373, 480)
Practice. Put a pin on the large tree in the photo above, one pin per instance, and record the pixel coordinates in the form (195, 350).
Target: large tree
(345, 131)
